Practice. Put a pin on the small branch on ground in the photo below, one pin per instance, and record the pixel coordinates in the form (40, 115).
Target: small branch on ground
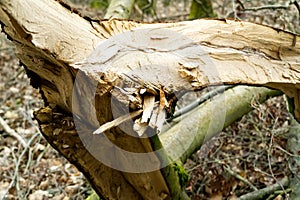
(235, 175)
(259, 194)
(286, 152)
(16, 172)
(11, 132)
(234, 9)
(278, 192)
(273, 7)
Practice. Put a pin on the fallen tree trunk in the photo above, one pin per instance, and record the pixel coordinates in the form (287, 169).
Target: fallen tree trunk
(123, 77)
(191, 130)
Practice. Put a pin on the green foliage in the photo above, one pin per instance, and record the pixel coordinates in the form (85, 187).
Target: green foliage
(201, 9)
(175, 175)
(93, 196)
(182, 174)
(290, 104)
(166, 2)
(147, 6)
(99, 4)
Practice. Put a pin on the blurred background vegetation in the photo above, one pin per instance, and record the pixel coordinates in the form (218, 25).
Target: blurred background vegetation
(283, 14)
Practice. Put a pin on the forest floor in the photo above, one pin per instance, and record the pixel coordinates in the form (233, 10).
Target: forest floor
(249, 154)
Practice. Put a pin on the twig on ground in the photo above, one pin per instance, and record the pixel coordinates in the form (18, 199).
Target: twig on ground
(232, 173)
(20, 71)
(41, 155)
(240, 3)
(16, 172)
(234, 9)
(269, 158)
(12, 133)
(15, 162)
(274, 7)
(277, 193)
(286, 152)
(29, 119)
(259, 194)
(28, 161)
(267, 7)
(235, 175)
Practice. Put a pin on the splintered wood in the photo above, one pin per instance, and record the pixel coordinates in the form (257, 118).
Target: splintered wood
(117, 122)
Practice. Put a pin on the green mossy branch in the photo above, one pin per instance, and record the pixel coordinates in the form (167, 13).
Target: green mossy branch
(201, 9)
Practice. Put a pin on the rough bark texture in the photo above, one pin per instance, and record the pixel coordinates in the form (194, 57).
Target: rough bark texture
(293, 145)
(61, 132)
(99, 71)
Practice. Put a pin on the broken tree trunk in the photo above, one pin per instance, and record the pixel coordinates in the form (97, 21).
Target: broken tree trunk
(121, 78)
(209, 119)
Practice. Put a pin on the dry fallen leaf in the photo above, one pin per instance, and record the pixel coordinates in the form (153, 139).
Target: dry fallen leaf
(216, 196)
(38, 195)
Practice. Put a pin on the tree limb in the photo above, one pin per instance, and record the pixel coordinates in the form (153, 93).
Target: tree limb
(120, 9)
(262, 193)
(183, 136)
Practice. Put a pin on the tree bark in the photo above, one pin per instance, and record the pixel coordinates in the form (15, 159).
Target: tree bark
(201, 9)
(293, 146)
(91, 73)
(185, 134)
(120, 9)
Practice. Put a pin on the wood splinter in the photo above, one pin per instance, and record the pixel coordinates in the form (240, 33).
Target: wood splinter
(117, 122)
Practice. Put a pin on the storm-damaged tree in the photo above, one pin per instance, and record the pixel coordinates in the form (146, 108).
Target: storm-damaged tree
(109, 85)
